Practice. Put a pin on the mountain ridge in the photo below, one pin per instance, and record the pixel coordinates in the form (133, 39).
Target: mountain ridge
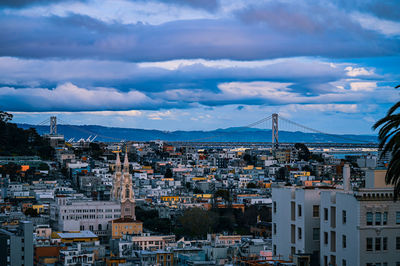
(109, 134)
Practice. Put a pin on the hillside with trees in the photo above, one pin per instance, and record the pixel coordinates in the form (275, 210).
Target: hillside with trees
(15, 141)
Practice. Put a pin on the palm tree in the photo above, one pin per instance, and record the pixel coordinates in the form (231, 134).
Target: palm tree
(389, 141)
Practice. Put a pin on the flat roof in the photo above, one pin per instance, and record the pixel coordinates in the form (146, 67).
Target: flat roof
(81, 234)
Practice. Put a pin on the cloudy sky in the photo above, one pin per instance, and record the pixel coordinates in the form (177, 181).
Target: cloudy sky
(200, 64)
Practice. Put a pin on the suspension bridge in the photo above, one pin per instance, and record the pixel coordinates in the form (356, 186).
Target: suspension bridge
(274, 122)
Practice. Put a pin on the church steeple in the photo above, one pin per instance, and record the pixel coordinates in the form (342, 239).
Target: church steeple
(117, 179)
(118, 163)
(126, 162)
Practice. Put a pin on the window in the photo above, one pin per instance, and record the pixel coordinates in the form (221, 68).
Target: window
(325, 214)
(344, 241)
(326, 238)
(377, 243)
(344, 263)
(344, 217)
(385, 241)
(293, 211)
(398, 243)
(299, 210)
(274, 228)
(82, 227)
(378, 218)
(316, 234)
(315, 209)
(370, 218)
(299, 233)
(397, 217)
(369, 244)
(274, 204)
(385, 218)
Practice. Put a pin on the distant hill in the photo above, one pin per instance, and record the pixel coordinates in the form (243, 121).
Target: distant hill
(219, 135)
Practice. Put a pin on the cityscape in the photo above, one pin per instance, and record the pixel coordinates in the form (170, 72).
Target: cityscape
(199, 132)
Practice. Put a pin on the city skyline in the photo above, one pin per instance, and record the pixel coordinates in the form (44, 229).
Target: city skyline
(200, 65)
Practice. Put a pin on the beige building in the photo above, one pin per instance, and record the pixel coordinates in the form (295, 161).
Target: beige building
(125, 226)
(148, 242)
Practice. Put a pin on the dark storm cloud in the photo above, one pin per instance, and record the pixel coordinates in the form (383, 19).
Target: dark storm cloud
(385, 9)
(25, 3)
(210, 5)
(79, 36)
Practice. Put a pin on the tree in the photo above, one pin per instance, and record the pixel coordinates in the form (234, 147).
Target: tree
(197, 222)
(31, 212)
(251, 185)
(10, 169)
(304, 152)
(389, 142)
(282, 173)
(5, 117)
(168, 173)
(197, 191)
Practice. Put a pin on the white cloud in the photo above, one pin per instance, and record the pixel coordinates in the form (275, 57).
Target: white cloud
(160, 115)
(358, 71)
(262, 89)
(343, 108)
(69, 97)
(370, 22)
(362, 86)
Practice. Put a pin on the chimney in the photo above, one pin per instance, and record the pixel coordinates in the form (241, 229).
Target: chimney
(346, 178)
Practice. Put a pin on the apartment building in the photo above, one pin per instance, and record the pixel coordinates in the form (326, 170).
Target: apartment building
(295, 222)
(360, 227)
(337, 226)
(149, 242)
(17, 245)
(83, 214)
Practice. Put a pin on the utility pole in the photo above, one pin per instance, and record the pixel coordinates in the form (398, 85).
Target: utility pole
(275, 131)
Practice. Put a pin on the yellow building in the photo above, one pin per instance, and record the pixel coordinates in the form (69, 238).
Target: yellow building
(125, 226)
(165, 258)
(39, 208)
(75, 237)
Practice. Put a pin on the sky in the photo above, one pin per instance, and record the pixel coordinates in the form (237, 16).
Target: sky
(200, 64)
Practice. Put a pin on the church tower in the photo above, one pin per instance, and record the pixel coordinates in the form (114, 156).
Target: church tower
(122, 190)
(127, 195)
(116, 188)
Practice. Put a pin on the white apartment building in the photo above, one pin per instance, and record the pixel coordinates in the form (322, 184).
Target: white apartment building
(361, 227)
(295, 222)
(150, 242)
(339, 226)
(83, 214)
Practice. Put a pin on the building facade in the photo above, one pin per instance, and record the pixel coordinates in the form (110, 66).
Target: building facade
(17, 246)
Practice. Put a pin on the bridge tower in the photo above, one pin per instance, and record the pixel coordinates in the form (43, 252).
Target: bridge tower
(275, 131)
(53, 125)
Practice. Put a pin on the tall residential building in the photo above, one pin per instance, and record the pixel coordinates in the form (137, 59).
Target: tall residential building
(17, 246)
(295, 222)
(338, 226)
(360, 227)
